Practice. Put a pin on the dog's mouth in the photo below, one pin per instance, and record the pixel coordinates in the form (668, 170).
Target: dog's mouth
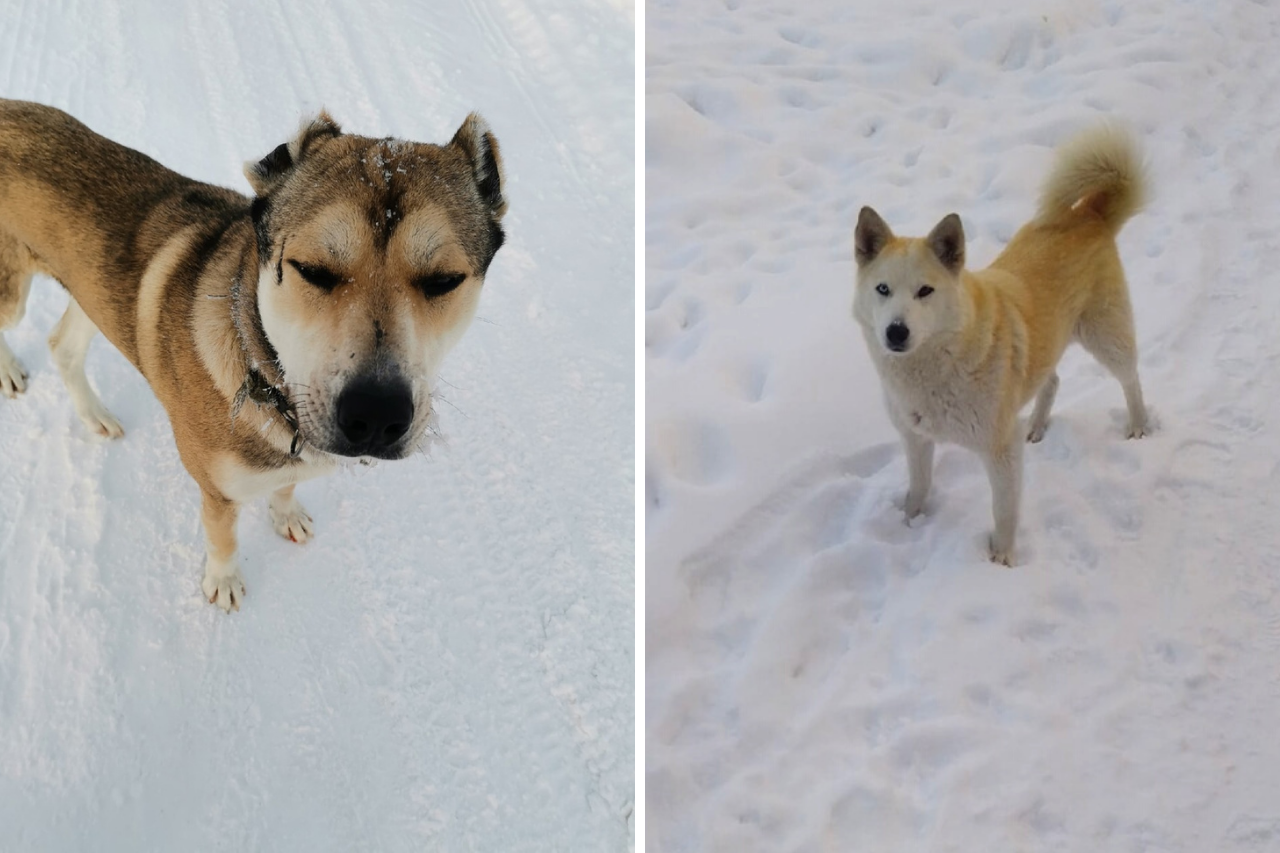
(370, 418)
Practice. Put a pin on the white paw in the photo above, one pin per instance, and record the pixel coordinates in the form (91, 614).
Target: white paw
(13, 379)
(1001, 554)
(913, 506)
(1036, 433)
(223, 585)
(1136, 431)
(101, 422)
(290, 520)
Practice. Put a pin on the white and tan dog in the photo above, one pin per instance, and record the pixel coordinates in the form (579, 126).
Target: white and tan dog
(280, 332)
(960, 353)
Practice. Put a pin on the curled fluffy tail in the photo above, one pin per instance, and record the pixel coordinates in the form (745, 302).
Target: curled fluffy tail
(1098, 173)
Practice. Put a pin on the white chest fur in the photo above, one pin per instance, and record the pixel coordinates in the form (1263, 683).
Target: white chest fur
(930, 394)
(242, 484)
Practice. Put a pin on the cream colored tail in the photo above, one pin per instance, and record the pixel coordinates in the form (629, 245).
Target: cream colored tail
(1098, 173)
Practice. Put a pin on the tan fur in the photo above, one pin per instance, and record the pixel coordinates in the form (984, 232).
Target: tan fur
(1100, 168)
(985, 343)
(201, 289)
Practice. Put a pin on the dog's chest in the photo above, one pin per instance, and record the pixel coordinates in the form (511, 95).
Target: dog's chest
(243, 483)
(939, 402)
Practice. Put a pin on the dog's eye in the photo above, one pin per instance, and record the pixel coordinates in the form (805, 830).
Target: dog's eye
(882, 289)
(923, 292)
(438, 284)
(325, 279)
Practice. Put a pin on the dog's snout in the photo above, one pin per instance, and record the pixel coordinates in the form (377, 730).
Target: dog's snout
(373, 415)
(896, 335)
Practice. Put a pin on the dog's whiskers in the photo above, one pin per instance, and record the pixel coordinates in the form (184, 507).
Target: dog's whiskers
(443, 399)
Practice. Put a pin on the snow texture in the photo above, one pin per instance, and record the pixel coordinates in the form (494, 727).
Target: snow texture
(822, 676)
(449, 664)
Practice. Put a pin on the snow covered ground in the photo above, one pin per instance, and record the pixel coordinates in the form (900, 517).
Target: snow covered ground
(449, 665)
(822, 676)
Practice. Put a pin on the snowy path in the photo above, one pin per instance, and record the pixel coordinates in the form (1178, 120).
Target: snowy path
(449, 665)
(820, 675)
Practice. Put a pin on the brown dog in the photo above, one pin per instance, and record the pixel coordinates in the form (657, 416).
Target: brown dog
(279, 332)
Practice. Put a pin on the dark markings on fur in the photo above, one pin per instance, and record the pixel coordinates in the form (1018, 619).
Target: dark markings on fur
(496, 238)
(489, 181)
(870, 236)
(385, 167)
(385, 213)
(322, 127)
(203, 197)
(481, 153)
(276, 163)
(378, 333)
(183, 283)
(946, 240)
(280, 264)
(260, 212)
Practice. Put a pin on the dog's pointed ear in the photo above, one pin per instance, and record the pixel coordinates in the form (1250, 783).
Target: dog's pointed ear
(871, 235)
(266, 174)
(946, 241)
(478, 145)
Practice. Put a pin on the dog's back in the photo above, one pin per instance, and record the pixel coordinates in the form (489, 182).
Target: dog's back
(63, 186)
(1064, 271)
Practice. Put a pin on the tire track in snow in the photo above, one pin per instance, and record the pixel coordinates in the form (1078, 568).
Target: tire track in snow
(515, 31)
(523, 26)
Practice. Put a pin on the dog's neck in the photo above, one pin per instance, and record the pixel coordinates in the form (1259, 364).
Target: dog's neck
(264, 379)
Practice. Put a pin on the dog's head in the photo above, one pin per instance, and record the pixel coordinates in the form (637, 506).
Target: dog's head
(371, 257)
(908, 289)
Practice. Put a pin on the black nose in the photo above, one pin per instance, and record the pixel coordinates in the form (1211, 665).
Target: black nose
(896, 335)
(373, 415)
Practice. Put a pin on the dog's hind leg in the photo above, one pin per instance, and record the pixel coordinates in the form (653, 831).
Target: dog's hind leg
(1108, 336)
(16, 267)
(70, 342)
(1040, 414)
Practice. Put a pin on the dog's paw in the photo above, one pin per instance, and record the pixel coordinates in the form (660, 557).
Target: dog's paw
(913, 506)
(13, 379)
(223, 585)
(1001, 555)
(290, 520)
(1137, 431)
(1036, 434)
(99, 421)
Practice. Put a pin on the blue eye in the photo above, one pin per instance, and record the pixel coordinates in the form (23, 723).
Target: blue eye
(882, 289)
(923, 292)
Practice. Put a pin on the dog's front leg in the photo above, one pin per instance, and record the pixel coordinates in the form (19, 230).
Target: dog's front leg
(222, 584)
(1004, 468)
(920, 471)
(288, 516)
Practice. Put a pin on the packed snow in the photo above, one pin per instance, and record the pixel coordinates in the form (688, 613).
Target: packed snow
(822, 676)
(449, 664)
